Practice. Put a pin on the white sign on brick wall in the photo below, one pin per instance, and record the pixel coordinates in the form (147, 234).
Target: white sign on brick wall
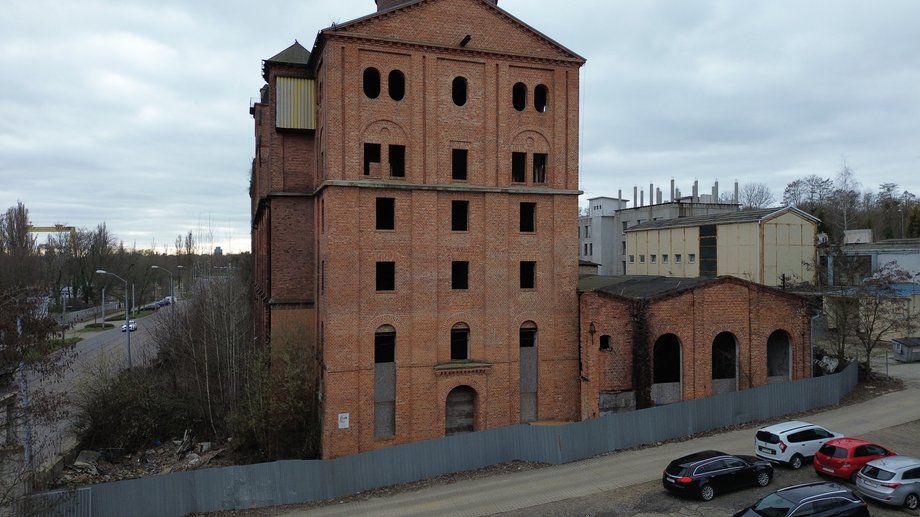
(343, 420)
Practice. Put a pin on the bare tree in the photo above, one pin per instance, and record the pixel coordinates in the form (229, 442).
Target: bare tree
(755, 195)
(880, 311)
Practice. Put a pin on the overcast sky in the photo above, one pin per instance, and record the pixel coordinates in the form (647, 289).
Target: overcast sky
(136, 114)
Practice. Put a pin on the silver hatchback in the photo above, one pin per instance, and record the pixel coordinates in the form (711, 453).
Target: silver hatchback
(893, 480)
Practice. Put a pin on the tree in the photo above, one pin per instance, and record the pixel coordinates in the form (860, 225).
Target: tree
(880, 311)
(755, 195)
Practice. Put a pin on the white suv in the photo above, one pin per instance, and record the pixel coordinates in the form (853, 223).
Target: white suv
(791, 442)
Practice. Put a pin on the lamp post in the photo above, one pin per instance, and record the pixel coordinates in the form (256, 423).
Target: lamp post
(127, 314)
(172, 293)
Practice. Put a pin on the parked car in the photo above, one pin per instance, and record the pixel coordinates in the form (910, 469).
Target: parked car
(892, 480)
(131, 325)
(706, 473)
(843, 457)
(815, 499)
(791, 442)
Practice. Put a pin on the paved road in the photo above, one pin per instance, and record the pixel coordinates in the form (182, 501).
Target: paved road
(515, 491)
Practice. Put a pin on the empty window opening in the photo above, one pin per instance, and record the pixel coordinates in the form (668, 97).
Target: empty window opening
(778, 348)
(460, 275)
(519, 96)
(653, 259)
(458, 162)
(606, 343)
(528, 217)
(539, 168)
(528, 274)
(641, 259)
(586, 249)
(460, 342)
(397, 161)
(540, 98)
(527, 337)
(371, 159)
(664, 258)
(677, 258)
(459, 215)
(632, 259)
(691, 258)
(385, 382)
(396, 84)
(386, 276)
(666, 360)
(590, 248)
(371, 83)
(518, 167)
(386, 213)
(724, 356)
(458, 91)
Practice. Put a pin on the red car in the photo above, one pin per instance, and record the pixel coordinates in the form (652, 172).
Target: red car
(843, 457)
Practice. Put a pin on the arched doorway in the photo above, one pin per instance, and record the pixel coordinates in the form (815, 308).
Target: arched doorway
(460, 411)
(527, 339)
(724, 363)
(779, 357)
(666, 370)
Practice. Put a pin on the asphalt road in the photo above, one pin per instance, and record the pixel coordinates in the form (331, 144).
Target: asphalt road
(626, 471)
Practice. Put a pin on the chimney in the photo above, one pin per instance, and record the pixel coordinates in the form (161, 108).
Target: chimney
(673, 192)
(635, 196)
(658, 195)
(620, 194)
(642, 198)
(715, 192)
(651, 193)
(383, 5)
(696, 192)
(735, 200)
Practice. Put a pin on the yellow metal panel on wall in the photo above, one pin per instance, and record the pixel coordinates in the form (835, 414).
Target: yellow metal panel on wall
(296, 106)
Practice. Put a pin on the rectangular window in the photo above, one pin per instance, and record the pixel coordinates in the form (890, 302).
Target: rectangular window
(632, 259)
(528, 217)
(664, 258)
(386, 276)
(677, 258)
(459, 275)
(459, 216)
(384, 384)
(458, 164)
(642, 259)
(653, 259)
(539, 168)
(371, 159)
(386, 213)
(691, 258)
(623, 247)
(528, 274)
(518, 167)
(459, 344)
(587, 230)
(625, 226)
(586, 249)
(398, 161)
(591, 249)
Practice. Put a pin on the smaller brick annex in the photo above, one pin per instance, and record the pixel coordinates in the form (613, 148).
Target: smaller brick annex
(650, 340)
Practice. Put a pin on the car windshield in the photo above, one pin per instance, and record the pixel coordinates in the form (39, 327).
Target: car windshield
(772, 506)
(877, 473)
(766, 436)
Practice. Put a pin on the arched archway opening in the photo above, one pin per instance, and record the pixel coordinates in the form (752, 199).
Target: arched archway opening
(527, 339)
(385, 382)
(460, 411)
(666, 370)
(724, 363)
(779, 357)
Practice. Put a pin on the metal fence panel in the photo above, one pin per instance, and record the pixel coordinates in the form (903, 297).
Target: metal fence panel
(295, 481)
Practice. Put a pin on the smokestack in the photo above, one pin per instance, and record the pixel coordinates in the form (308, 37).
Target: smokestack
(715, 192)
(658, 195)
(735, 200)
(696, 192)
(651, 193)
(635, 196)
(677, 193)
(673, 192)
(642, 198)
(620, 194)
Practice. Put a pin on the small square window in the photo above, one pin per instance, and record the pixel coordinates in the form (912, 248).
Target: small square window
(653, 259)
(528, 222)
(459, 215)
(386, 276)
(459, 275)
(632, 259)
(677, 258)
(528, 275)
(664, 258)
(691, 258)
(642, 259)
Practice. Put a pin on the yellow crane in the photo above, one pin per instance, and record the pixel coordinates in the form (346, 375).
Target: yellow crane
(58, 228)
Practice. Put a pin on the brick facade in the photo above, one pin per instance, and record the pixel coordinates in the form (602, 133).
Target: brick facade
(695, 315)
(316, 244)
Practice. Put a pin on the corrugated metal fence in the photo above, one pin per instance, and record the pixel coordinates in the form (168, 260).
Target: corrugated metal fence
(298, 481)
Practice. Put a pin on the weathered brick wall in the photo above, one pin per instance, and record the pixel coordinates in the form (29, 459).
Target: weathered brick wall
(749, 311)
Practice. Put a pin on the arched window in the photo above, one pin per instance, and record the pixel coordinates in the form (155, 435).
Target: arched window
(724, 363)
(528, 365)
(779, 346)
(371, 83)
(541, 98)
(396, 84)
(458, 90)
(460, 342)
(519, 96)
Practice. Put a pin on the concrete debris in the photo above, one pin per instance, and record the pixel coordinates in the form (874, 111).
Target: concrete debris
(86, 462)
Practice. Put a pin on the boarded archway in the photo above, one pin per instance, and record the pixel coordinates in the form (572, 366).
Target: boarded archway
(724, 363)
(460, 411)
(779, 356)
(528, 366)
(666, 370)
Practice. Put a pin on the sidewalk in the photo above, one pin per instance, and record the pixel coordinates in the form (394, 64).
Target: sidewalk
(515, 491)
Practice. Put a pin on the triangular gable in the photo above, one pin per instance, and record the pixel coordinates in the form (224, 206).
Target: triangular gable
(491, 29)
(792, 210)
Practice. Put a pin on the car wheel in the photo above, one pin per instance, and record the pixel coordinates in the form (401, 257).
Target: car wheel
(763, 478)
(796, 462)
(911, 502)
(707, 493)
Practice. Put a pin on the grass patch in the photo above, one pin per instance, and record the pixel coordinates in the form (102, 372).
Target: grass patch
(95, 327)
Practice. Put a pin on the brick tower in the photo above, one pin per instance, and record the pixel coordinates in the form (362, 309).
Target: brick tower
(415, 193)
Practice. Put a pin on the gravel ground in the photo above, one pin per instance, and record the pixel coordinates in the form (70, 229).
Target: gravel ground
(626, 501)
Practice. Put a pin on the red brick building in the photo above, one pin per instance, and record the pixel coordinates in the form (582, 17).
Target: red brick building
(414, 212)
(655, 340)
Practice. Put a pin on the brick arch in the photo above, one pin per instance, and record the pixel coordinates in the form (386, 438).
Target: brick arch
(374, 129)
(779, 356)
(531, 141)
(474, 382)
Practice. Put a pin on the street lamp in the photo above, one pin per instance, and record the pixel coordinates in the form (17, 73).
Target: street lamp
(127, 313)
(172, 292)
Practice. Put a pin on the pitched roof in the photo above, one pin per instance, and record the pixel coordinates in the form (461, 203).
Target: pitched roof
(640, 286)
(908, 341)
(743, 216)
(296, 54)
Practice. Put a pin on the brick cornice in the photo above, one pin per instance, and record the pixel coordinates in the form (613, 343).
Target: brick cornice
(392, 185)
